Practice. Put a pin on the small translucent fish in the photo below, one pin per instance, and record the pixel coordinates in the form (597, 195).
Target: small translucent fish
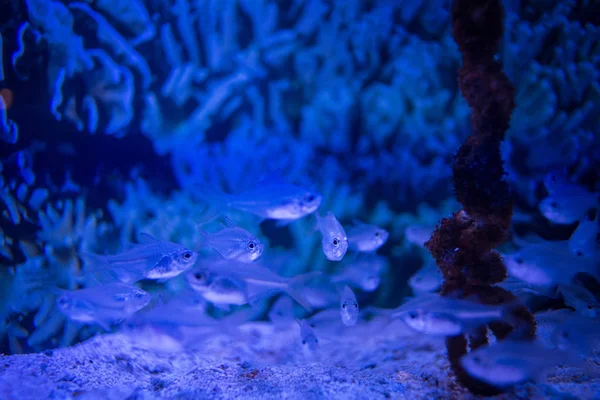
(309, 341)
(282, 312)
(366, 237)
(151, 259)
(583, 240)
(104, 304)
(581, 299)
(335, 241)
(577, 334)
(222, 291)
(234, 243)
(507, 362)
(567, 202)
(274, 199)
(418, 234)
(427, 279)
(349, 307)
(545, 266)
(435, 315)
(261, 282)
(363, 273)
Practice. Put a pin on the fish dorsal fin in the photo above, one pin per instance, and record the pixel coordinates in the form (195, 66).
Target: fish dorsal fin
(146, 238)
(228, 222)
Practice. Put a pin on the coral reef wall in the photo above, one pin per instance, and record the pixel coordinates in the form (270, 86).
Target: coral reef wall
(115, 115)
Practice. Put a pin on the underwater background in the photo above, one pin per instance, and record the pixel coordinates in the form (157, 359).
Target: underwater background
(120, 119)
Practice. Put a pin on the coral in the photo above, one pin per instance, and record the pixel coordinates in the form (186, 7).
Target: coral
(463, 244)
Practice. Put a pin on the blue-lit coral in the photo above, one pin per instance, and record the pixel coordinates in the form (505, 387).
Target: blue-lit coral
(204, 101)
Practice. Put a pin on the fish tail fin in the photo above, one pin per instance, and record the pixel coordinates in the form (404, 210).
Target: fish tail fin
(295, 288)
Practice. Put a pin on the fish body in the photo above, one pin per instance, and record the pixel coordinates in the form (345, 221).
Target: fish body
(567, 202)
(234, 243)
(427, 279)
(545, 266)
(579, 298)
(348, 307)
(583, 242)
(363, 273)
(151, 259)
(366, 237)
(335, 240)
(507, 362)
(104, 304)
(259, 281)
(308, 340)
(219, 290)
(274, 199)
(435, 315)
(418, 234)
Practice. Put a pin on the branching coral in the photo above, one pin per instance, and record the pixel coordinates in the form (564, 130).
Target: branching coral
(463, 244)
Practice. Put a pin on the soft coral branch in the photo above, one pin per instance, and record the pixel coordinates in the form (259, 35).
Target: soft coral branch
(463, 245)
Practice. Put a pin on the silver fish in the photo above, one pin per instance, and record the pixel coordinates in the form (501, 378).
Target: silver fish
(282, 312)
(363, 273)
(309, 341)
(418, 234)
(366, 237)
(104, 304)
(222, 291)
(150, 259)
(234, 243)
(261, 282)
(435, 315)
(276, 199)
(427, 279)
(581, 299)
(583, 240)
(335, 241)
(348, 307)
(545, 266)
(507, 362)
(567, 202)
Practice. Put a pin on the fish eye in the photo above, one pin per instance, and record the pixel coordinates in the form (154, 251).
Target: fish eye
(344, 305)
(304, 342)
(554, 204)
(336, 242)
(63, 301)
(139, 295)
(519, 260)
(377, 234)
(120, 297)
(187, 255)
(477, 359)
(199, 276)
(310, 197)
(590, 307)
(251, 245)
(579, 253)
(412, 315)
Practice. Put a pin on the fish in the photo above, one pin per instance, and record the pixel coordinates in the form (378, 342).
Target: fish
(272, 198)
(335, 241)
(222, 291)
(234, 243)
(566, 202)
(544, 266)
(508, 362)
(363, 273)
(418, 234)
(583, 241)
(579, 298)
(440, 316)
(348, 307)
(282, 312)
(577, 334)
(261, 282)
(309, 341)
(150, 259)
(366, 237)
(104, 304)
(427, 279)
